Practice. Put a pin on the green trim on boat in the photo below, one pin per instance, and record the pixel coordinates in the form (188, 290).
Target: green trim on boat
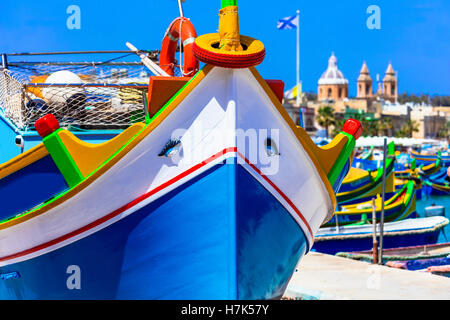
(391, 148)
(413, 164)
(62, 158)
(345, 154)
(228, 3)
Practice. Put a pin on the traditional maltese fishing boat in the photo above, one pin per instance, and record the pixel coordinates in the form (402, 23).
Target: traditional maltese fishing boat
(367, 154)
(423, 252)
(408, 171)
(418, 231)
(217, 195)
(423, 171)
(427, 158)
(430, 169)
(398, 205)
(361, 183)
(439, 183)
(402, 178)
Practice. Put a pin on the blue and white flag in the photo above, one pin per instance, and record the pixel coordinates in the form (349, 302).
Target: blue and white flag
(288, 23)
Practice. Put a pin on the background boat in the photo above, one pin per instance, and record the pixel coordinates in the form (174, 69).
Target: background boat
(439, 250)
(438, 184)
(427, 158)
(399, 205)
(362, 183)
(419, 231)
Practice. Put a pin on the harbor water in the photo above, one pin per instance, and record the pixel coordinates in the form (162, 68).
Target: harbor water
(444, 201)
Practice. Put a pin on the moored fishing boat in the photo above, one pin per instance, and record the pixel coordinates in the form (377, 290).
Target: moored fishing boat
(441, 270)
(439, 187)
(432, 258)
(420, 264)
(406, 170)
(428, 158)
(418, 184)
(409, 232)
(217, 196)
(367, 154)
(361, 183)
(438, 250)
(439, 183)
(430, 169)
(398, 205)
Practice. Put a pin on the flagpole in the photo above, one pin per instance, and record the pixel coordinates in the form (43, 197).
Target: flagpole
(298, 58)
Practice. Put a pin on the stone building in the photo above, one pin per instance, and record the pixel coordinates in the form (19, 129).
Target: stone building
(332, 84)
(390, 85)
(387, 90)
(364, 83)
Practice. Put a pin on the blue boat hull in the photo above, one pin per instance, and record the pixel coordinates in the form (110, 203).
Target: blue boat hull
(221, 235)
(361, 244)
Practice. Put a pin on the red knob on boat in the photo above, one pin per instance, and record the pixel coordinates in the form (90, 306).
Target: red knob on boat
(46, 125)
(353, 127)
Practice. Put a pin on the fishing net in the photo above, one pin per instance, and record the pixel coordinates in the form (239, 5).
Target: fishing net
(81, 95)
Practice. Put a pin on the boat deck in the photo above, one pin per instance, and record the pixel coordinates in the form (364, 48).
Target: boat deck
(326, 277)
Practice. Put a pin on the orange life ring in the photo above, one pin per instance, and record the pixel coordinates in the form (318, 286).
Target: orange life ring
(185, 28)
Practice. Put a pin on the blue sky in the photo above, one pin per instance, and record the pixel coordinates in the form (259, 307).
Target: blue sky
(414, 35)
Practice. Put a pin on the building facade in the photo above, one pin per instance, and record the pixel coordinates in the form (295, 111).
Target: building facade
(390, 85)
(364, 83)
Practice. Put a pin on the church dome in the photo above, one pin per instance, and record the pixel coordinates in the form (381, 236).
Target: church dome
(332, 75)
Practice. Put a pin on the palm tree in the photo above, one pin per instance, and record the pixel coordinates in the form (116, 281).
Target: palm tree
(326, 117)
(445, 131)
(370, 127)
(385, 126)
(410, 127)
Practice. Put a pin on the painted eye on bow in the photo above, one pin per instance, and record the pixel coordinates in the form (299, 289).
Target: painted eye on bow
(271, 148)
(171, 148)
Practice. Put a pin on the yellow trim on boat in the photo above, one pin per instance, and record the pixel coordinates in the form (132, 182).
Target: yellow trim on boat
(89, 156)
(355, 174)
(390, 187)
(23, 160)
(328, 154)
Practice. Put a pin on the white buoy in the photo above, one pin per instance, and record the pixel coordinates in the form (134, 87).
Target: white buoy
(57, 94)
